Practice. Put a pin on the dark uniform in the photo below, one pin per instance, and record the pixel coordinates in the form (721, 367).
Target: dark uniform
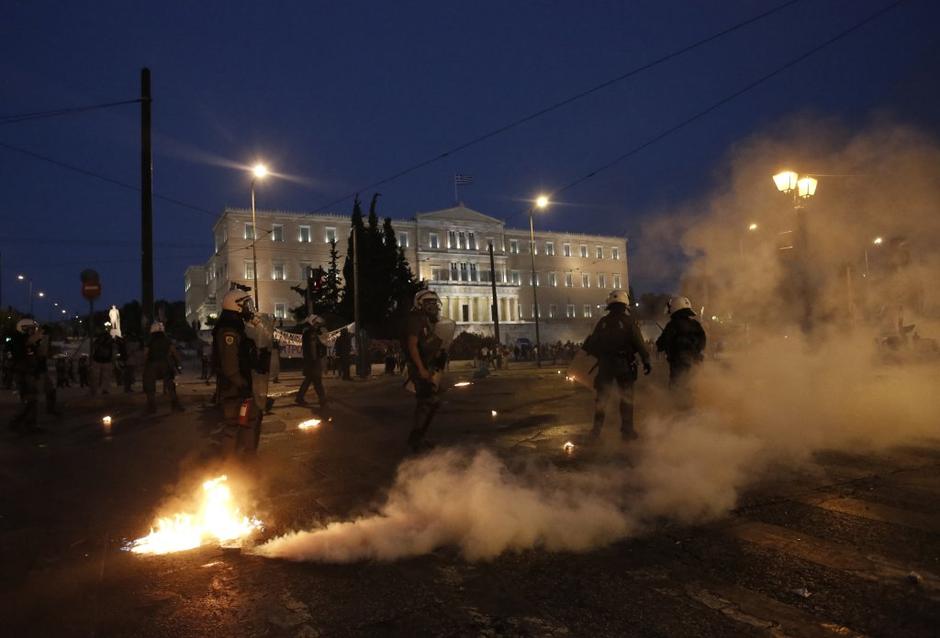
(616, 342)
(160, 363)
(232, 352)
(314, 353)
(683, 340)
(433, 358)
(24, 355)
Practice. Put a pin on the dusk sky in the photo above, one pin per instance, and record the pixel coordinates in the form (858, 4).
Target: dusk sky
(341, 95)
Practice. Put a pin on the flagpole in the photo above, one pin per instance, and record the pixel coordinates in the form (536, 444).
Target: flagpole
(456, 191)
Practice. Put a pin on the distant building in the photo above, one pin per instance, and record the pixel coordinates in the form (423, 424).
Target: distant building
(448, 248)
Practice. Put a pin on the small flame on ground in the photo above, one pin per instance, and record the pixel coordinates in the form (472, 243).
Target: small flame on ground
(569, 378)
(568, 447)
(217, 520)
(493, 412)
(309, 424)
(106, 420)
(461, 384)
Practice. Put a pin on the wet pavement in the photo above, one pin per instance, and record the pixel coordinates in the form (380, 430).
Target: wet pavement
(846, 546)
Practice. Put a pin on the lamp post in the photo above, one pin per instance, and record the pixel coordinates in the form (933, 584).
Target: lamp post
(259, 171)
(541, 202)
(800, 188)
(751, 228)
(877, 241)
(29, 293)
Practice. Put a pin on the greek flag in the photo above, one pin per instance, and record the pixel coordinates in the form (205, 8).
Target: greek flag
(462, 180)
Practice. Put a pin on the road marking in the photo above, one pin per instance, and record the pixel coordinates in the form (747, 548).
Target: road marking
(869, 567)
(756, 610)
(875, 512)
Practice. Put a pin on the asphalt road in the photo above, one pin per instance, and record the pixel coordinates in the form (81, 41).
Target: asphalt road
(849, 546)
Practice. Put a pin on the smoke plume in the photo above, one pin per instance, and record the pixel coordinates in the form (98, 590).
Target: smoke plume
(820, 338)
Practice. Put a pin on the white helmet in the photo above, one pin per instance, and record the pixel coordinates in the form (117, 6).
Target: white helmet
(26, 325)
(236, 301)
(156, 326)
(313, 320)
(677, 303)
(425, 295)
(618, 296)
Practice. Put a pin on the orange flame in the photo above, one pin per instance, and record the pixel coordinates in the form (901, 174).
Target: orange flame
(217, 520)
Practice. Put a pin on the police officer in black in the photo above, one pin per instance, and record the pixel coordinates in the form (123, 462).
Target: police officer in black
(24, 351)
(234, 356)
(314, 353)
(616, 342)
(683, 340)
(161, 362)
(426, 356)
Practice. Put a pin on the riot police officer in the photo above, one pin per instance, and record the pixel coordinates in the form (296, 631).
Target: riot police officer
(426, 357)
(683, 340)
(161, 361)
(234, 354)
(314, 352)
(616, 342)
(24, 351)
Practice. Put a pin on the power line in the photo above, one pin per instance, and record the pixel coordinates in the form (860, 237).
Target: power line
(716, 105)
(104, 178)
(36, 115)
(557, 105)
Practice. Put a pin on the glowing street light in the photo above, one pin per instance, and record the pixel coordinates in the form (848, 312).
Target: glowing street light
(541, 202)
(42, 294)
(786, 181)
(752, 226)
(806, 187)
(877, 241)
(259, 171)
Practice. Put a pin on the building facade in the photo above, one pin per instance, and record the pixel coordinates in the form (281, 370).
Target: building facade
(448, 248)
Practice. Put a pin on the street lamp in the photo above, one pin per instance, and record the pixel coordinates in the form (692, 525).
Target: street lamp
(752, 226)
(259, 171)
(29, 292)
(801, 188)
(877, 241)
(541, 202)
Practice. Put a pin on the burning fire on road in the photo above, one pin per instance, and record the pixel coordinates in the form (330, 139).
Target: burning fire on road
(217, 520)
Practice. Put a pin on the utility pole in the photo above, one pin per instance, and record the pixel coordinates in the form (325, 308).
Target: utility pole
(495, 306)
(146, 200)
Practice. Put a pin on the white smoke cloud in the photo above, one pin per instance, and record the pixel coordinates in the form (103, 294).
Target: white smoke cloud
(775, 396)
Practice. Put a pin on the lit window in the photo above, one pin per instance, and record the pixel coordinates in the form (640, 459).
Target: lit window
(471, 241)
(583, 251)
(552, 279)
(514, 246)
(249, 231)
(550, 248)
(304, 236)
(566, 250)
(552, 311)
(616, 279)
(585, 280)
(277, 232)
(280, 311)
(533, 278)
(569, 311)
(278, 272)
(599, 252)
(601, 280)
(330, 235)
(249, 270)
(568, 280)
(403, 240)
(433, 241)
(451, 238)
(516, 279)
(615, 253)
(587, 310)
